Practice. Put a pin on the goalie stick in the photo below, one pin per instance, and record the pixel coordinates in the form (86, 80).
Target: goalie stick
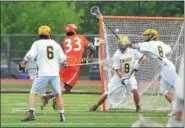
(96, 12)
(135, 70)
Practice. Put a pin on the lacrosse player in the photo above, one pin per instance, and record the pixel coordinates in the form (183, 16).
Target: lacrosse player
(125, 60)
(49, 57)
(73, 46)
(177, 119)
(156, 52)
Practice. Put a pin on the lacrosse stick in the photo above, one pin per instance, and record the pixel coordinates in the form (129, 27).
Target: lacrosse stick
(31, 67)
(142, 122)
(105, 62)
(116, 94)
(96, 12)
(135, 70)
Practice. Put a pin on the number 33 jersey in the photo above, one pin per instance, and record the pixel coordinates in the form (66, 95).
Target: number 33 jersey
(74, 46)
(126, 61)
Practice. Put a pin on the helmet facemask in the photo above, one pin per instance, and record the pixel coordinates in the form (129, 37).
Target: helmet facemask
(123, 42)
(147, 38)
(70, 29)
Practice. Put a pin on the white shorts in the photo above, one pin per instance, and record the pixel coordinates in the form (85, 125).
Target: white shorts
(168, 78)
(39, 84)
(116, 81)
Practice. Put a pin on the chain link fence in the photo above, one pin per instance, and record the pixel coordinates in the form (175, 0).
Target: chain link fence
(15, 46)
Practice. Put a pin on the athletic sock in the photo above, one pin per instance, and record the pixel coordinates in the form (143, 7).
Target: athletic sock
(62, 111)
(32, 109)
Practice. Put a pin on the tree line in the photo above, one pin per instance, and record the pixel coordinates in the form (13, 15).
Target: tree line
(26, 17)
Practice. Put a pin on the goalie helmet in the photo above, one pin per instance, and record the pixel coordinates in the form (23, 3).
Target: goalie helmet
(44, 30)
(71, 28)
(151, 34)
(123, 42)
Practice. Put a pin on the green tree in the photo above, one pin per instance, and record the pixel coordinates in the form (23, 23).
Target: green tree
(26, 17)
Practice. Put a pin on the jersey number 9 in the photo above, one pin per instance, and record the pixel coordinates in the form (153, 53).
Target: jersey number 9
(50, 54)
(127, 68)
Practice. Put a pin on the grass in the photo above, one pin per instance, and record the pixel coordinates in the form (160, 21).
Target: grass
(14, 106)
(10, 86)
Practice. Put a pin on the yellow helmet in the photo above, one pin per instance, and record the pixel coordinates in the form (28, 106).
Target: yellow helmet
(123, 41)
(123, 38)
(152, 33)
(44, 30)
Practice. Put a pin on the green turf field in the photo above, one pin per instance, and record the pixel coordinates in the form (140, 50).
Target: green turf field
(14, 106)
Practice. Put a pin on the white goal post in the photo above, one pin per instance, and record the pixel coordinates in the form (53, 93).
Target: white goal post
(171, 31)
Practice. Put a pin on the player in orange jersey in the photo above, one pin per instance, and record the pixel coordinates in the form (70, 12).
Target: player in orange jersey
(73, 46)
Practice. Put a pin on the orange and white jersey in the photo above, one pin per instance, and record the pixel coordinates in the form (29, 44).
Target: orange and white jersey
(48, 55)
(126, 61)
(74, 46)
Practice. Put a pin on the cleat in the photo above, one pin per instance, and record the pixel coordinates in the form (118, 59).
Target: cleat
(93, 108)
(138, 108)
(44, 100)
(62, 118)
(31, 116)
(54, 105)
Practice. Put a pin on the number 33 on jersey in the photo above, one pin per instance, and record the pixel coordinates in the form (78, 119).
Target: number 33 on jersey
(73, 47)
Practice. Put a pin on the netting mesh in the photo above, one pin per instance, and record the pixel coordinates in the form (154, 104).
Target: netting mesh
(170, 31)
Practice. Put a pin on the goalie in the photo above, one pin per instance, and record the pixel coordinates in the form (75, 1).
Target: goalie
(125, 60)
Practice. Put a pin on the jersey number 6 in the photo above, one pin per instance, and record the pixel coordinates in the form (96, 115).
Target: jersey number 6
(50, 54)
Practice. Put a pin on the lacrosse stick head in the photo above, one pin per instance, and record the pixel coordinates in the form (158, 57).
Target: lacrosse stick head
(96, 12)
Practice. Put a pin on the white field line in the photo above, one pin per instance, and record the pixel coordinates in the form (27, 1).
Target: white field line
(26, 109)
(97, 117)
(65, 124)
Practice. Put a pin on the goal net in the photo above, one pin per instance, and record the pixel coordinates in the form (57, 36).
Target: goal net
(171, 31)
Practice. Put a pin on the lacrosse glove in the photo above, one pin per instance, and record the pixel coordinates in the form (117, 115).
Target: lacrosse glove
(63, 65)
(21, 67)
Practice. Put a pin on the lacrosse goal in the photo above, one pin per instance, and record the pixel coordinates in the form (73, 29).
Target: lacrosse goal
(171, 31)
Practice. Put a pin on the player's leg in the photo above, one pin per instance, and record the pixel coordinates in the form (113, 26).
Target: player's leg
(69, 76)
(37, 87)
(45, 99)
(101, 100)
(65, 75)
(134, 87)
(115, 81)
(165, 91)
(136, 99)
(65, 89)
(56, 89)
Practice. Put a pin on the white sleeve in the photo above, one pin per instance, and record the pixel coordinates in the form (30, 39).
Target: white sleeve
(143, 47)
(32, 53)
(62, 56)
(167, 49)
(138, 55)
(116, 61)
